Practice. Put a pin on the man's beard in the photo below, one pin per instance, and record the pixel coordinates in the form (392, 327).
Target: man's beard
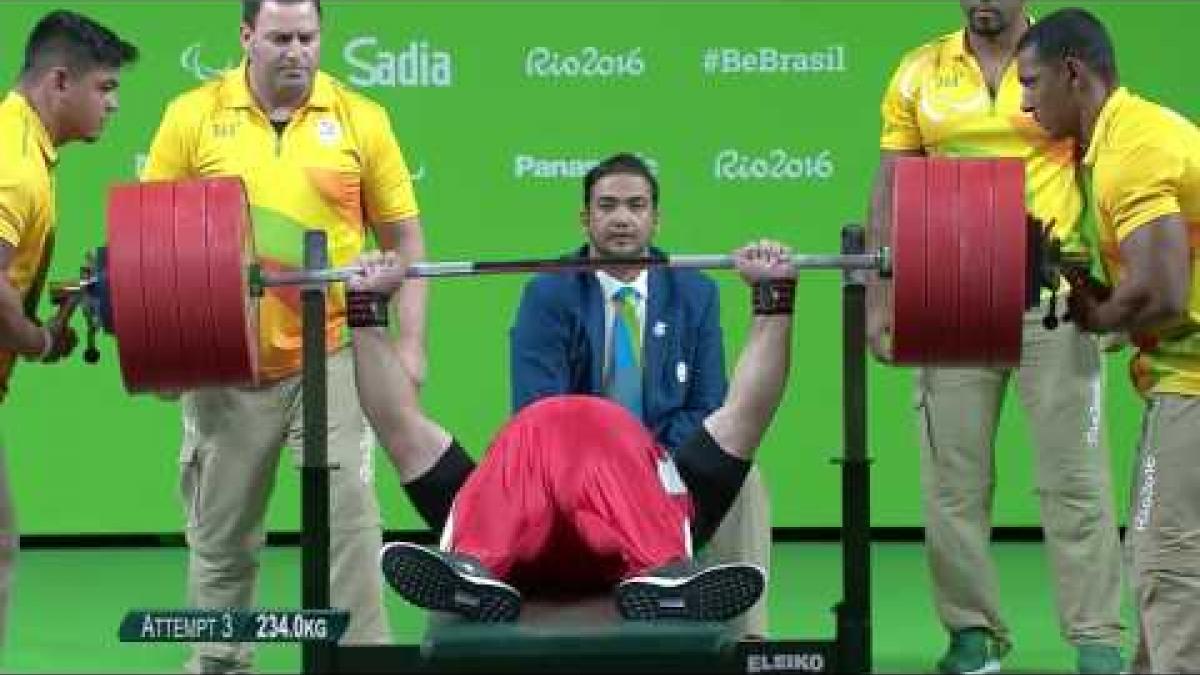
(988, 27)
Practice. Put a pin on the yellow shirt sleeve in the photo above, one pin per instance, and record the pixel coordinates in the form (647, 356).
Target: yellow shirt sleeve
(901, 130)
(387, 184)
(1141, 186)
(170, 156)
(16, 207)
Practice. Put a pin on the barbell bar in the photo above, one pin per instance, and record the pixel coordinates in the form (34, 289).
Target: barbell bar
(178, 283)
(879, 261)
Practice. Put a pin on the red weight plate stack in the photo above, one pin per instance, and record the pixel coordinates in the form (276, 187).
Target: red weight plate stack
(230, 253)
(164, 357)
(177, 264)
(942, 235)
(909, 339)
(124, 219)
(1009, 275)
(976, 224)
(959, 261)
(198, 339)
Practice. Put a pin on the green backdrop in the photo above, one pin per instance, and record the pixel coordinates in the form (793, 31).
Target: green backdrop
(499, 106)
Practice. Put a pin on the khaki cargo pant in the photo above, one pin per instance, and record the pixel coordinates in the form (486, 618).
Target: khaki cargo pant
(232, 441)
(744, 535)
(1060, 385)
(1163, 537)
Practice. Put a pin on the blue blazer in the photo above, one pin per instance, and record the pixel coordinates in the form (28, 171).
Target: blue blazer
(557, 346)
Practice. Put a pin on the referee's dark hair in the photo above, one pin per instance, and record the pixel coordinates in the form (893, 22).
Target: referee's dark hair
(622, 163)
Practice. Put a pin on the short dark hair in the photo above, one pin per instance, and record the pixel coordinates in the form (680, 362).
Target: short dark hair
(70, 39)
(1076, 33)
(251, 8)
(621, 163)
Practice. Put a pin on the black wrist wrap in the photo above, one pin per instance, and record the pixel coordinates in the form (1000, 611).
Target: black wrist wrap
(774, 296)
(366, 309)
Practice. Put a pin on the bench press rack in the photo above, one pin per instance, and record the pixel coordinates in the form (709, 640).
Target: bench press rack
(452, 646)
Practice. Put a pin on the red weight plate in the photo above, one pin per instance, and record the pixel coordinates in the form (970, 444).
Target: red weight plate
(164, 348)
(124, 233)
(1010, 243)
(976, 226)
(908, 261)
(197, 329)
(230, 253)
(941, 261)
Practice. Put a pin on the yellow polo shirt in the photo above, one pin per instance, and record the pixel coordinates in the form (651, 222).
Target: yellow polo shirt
(938, 102)
(1145, 164)
(335, 167)
(27, 159)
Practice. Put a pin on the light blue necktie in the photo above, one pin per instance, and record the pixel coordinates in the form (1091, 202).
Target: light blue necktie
(624, 383)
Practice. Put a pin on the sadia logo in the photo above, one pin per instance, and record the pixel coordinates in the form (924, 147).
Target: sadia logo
(416, 64)
(193, 61)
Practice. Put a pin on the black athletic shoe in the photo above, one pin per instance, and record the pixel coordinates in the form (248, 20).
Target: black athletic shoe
(691, 592)
(448, 582)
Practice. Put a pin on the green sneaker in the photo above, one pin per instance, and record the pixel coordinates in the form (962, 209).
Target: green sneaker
(972, 651)
(1095, 657)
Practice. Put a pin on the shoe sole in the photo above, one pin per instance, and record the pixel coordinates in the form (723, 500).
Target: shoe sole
(717, 593)
(428, 581)
(991, 666)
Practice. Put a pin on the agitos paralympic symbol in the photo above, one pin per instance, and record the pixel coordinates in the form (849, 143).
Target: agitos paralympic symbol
(190, 61)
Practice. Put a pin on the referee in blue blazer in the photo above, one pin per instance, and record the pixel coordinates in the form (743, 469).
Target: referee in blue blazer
(649, 339)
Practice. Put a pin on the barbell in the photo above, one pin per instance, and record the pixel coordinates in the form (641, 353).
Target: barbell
(178, 280)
